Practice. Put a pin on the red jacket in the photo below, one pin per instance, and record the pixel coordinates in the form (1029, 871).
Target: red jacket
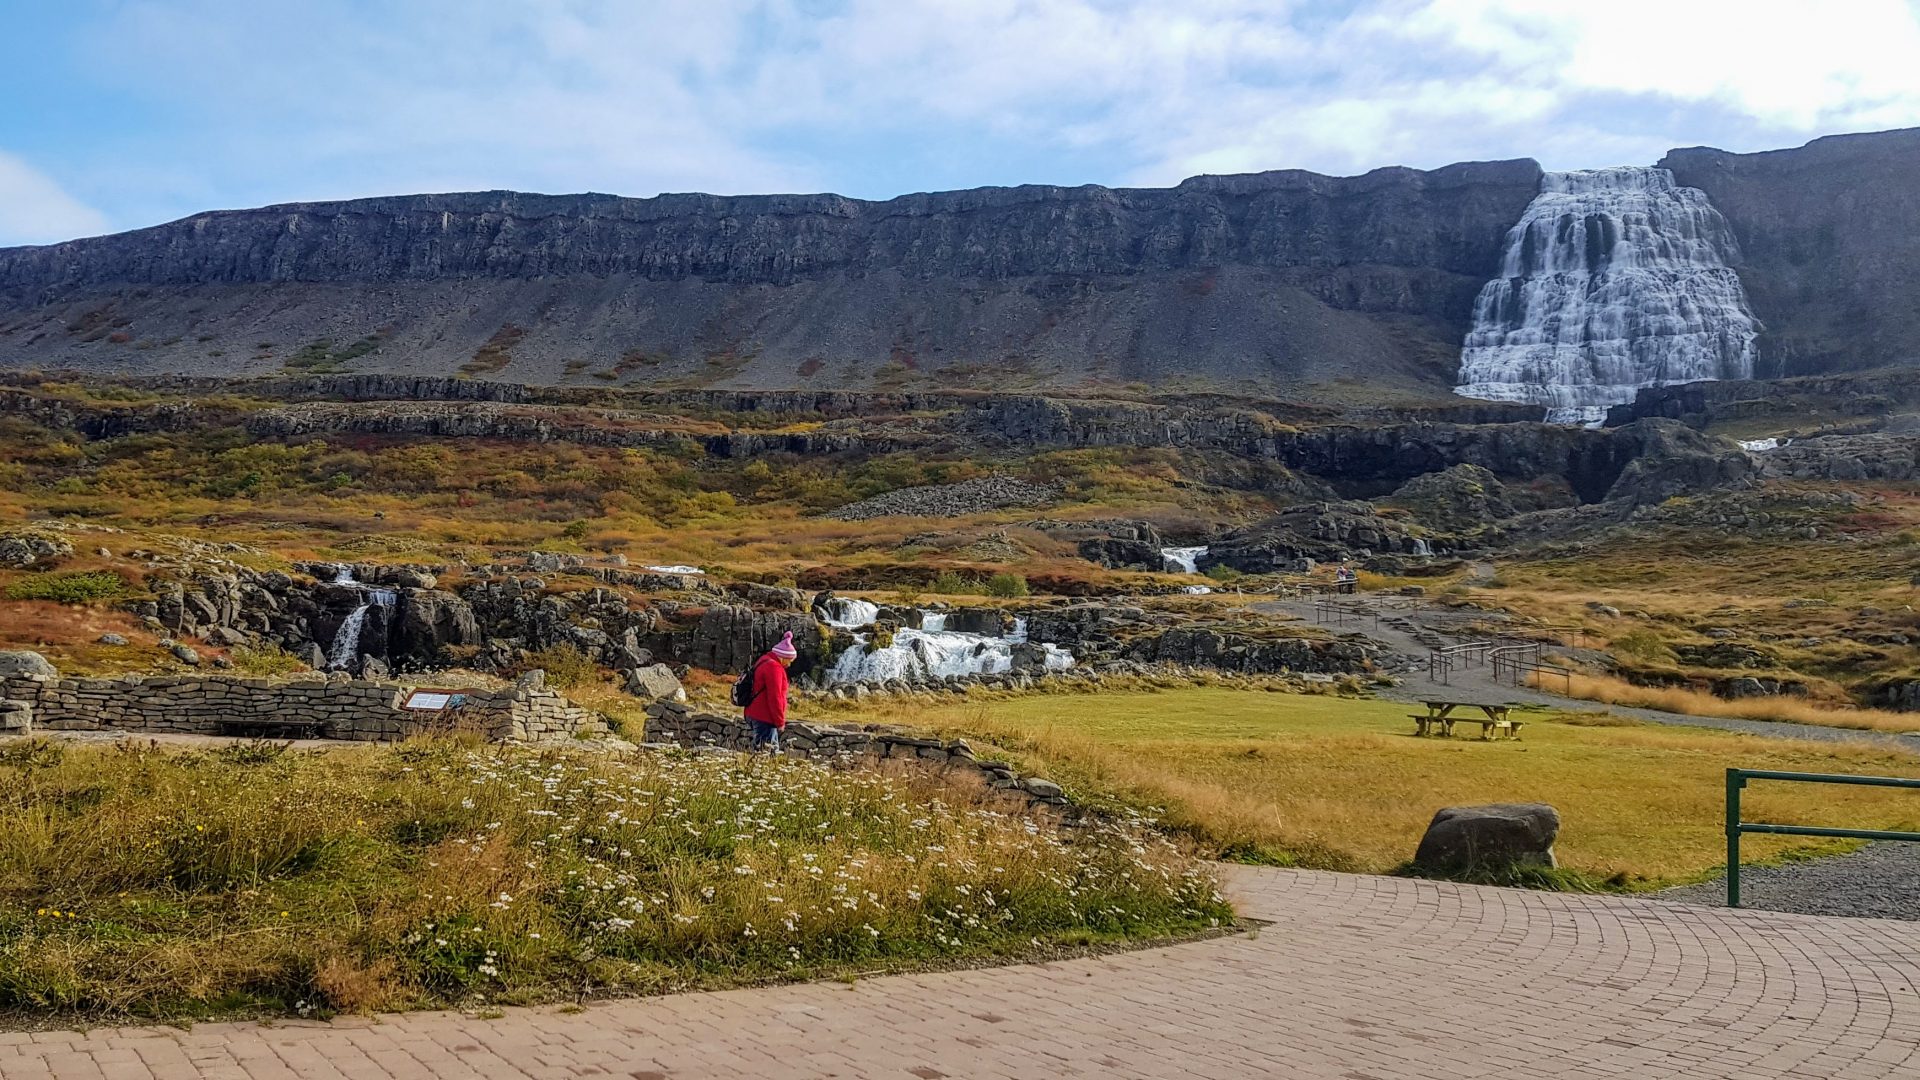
(769, 704)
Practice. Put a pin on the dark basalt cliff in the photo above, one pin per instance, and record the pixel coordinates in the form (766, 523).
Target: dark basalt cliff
(1829, 246)
(1284, 278)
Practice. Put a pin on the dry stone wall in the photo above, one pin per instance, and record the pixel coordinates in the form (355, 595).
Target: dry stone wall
(678, 723)
(355, 709)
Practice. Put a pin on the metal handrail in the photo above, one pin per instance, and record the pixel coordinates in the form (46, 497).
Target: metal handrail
(1737, 781)
(1440, 660)
(1520, 668)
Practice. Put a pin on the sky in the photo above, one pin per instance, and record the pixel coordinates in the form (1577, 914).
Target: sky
(115, 114)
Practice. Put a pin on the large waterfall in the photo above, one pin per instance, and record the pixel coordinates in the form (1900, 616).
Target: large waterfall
(1614, 279)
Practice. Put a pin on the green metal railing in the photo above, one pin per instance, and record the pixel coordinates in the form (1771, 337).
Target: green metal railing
(1737, 780)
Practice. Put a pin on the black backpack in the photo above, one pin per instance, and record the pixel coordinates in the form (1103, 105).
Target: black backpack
(743, 688)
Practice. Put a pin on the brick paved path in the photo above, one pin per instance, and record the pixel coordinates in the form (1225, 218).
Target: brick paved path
(1359, 977)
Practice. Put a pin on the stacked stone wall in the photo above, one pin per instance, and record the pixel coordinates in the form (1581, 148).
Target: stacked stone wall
(355, 709)
(675, 722)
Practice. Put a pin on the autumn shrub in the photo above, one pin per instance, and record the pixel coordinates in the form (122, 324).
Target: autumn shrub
(69, 587)
(566, 666)
(1006, 586)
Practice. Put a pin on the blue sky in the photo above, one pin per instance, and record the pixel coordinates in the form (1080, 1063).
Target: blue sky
(116, 114)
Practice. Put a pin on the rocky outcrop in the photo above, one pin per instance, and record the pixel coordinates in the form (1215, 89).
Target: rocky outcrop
(950, 500)
(1845, 458)
(730, 639)
(22, 550)
(1315, 532)
(1462, 498)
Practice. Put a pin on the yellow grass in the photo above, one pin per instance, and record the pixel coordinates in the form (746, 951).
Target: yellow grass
(1613, 691)
(1343, 783)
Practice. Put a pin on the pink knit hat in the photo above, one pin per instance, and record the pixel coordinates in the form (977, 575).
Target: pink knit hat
(785, 649)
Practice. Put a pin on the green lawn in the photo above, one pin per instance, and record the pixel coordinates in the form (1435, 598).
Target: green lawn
(1344, 784)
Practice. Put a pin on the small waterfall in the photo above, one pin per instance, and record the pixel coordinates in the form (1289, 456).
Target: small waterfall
(850, 614)
(676, 569)
(1421, 548)
(1761, 446)
(1182, 560)
(1614, 279)
(343, 575)
(919, 655)
(933, 620)
(346, 641)
(1196, 590)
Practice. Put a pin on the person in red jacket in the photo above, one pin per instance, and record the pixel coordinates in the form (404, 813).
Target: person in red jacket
(768, 708)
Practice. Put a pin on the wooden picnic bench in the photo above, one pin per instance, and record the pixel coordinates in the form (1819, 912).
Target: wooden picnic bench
(1495, 720)
(272, 728)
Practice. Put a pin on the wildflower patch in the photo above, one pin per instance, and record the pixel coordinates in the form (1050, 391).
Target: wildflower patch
(166, 883)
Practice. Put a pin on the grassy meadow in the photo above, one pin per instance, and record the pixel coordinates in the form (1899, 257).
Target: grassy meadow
(249, 879)
(1343, 784)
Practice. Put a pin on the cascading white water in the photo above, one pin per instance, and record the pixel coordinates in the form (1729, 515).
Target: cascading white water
(933, 620)
(934, 653)
(346, 641)
(1421, 548)
(850, 614)
(1614, 279)
(1182, 560)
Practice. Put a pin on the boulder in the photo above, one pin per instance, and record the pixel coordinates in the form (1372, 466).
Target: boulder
(112, 639)
(185, 654)
(1474, 839)
(653, 682)
(20, 662)
(311, 655)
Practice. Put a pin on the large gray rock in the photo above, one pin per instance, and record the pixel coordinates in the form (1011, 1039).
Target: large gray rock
(653, 682)
(430, 620)
(19, 662)
(1474, 839)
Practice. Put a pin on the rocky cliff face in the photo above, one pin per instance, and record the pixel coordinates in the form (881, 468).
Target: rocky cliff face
(1273, 278)
(1829, 246)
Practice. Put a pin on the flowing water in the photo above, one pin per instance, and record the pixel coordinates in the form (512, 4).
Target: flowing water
(1183, 560)
(850, 614)
(346, 641)
(1614, 279)
(933, 653)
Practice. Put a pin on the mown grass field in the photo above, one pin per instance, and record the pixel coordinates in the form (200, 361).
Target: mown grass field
(173, 884)
(1343, 784)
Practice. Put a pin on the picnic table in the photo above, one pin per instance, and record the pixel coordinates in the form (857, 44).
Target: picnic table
(1494, 720)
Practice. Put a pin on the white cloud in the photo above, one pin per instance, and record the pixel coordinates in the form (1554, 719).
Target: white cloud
(35, 210)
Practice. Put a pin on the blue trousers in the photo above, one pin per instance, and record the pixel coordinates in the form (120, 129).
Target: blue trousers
(765, 736)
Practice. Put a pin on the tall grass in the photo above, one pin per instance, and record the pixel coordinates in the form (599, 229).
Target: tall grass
(1343, 784)
(155, 883)
(1688, 702)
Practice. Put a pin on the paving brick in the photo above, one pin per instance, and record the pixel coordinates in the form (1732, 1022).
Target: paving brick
(1358, 978)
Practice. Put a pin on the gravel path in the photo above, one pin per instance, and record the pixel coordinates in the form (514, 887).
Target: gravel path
(1880, 881)
(1473, 684)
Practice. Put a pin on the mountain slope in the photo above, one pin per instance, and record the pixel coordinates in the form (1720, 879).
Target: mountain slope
(1830, 246)
(1274, 279)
